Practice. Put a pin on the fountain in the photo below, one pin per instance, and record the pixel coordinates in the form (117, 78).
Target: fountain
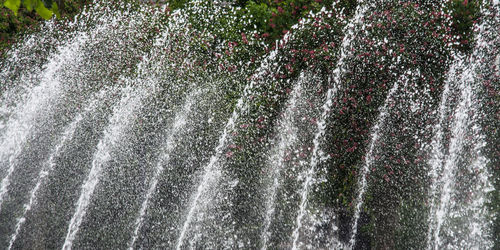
(136, 126)
(448, 161)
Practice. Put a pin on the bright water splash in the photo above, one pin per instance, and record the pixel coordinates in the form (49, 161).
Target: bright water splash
(176, 130)
(449, 165)
(15, 64)
(452, 224)
(23, 67)
(212, 170)
(48, 89)
(124, 115)
(369, 158)
(437, 159)
(47, 168)
(345, 53)
(41, 100)
(210, 176)
(287, 137)
(28, 62)
(309, 175)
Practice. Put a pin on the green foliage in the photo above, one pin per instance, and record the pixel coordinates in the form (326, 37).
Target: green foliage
(11, 25)
(46, 9)
(25, 19)
(177, 4)
(274, 18)
(226, 36)
(464, 14)
(13, 5)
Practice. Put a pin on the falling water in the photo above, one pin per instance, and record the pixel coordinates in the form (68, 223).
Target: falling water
(349, 35)
(314, 161)
(369, 158)
(446, 165)
(286, 138)
(114, 128)
(14, 66)
(212, 171)
(123, 116)
(210, 176)
(438, 155)
(49, 165)
(175, 131)
(451, 162)
(41, 99)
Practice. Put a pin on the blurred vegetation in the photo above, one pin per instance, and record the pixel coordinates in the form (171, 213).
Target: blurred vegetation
(26, 19)
(271, 19)
(248, 29)
(45, 8)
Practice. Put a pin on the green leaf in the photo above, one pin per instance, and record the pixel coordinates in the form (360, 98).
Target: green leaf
(55, 10)
(43, 11)
(13, 5)
(29, 4)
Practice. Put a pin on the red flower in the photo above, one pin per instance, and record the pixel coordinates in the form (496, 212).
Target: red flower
(244, 38)
(386, 178)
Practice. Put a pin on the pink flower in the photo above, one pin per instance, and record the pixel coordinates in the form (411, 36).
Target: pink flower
(386, 178)
(244, 38)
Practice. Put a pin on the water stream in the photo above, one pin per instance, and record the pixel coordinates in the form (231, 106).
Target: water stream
(130, 128)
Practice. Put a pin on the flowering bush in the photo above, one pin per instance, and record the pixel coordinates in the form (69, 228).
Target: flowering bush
(271, 45)
(26, 21)
(398, 37)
